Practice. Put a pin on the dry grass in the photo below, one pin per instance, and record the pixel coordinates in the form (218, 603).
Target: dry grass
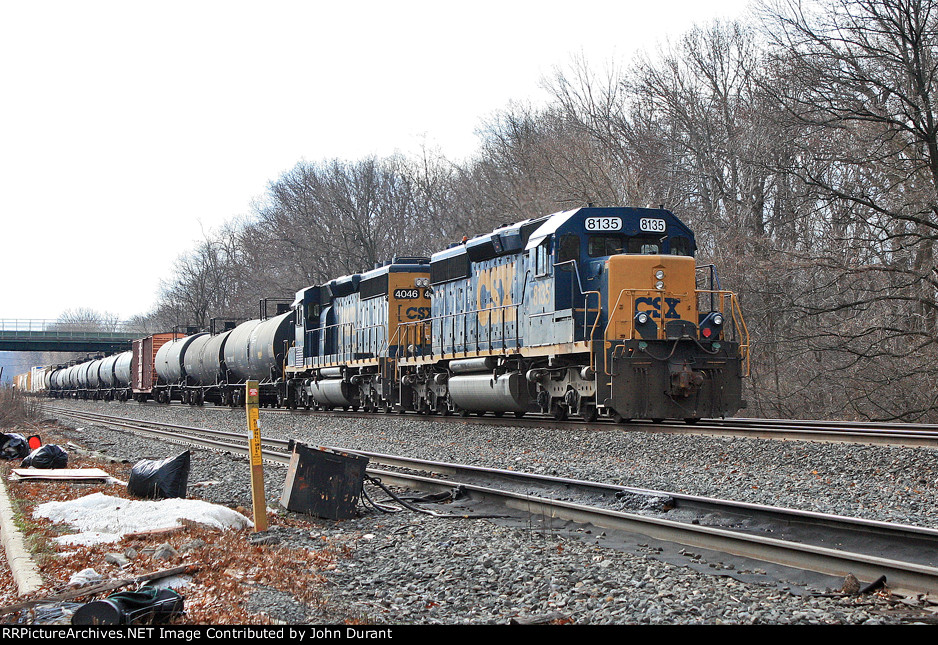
(230, 568)
(14, 411)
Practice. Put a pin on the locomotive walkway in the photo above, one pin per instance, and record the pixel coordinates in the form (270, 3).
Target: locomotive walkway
(37, 335)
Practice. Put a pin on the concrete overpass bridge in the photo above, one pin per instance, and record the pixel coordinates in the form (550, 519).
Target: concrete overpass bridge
(37, 335)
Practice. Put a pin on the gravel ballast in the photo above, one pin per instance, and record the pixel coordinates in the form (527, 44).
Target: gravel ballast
(414, 568)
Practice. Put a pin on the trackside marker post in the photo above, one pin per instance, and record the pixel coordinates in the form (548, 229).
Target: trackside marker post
(252, 404)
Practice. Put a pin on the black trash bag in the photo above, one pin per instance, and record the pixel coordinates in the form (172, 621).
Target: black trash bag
(159, 479)
(149, 605)
(13, 446)
(49, 456)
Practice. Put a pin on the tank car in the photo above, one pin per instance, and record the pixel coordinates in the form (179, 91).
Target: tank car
(591, 311)
(206, 367)
(170, 367)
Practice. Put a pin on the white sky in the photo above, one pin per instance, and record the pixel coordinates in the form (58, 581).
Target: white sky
(127, 127)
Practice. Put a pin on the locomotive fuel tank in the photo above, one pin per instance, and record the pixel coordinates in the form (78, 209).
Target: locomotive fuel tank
(506, 393)
(333, 392)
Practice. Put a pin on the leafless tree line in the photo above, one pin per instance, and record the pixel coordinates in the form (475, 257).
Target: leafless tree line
(801, 146)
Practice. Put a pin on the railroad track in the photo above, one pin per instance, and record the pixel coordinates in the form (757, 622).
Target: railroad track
(893, 434)
(833, 545)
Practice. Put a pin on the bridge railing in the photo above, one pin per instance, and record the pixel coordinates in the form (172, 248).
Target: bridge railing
(25, 327)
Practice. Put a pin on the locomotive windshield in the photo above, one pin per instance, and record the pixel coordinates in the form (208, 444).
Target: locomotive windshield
(681, 246)
(645, 245)
(599, 246)
(602, 245)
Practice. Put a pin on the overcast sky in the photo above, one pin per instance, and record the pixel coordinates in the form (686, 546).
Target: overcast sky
(129, 127)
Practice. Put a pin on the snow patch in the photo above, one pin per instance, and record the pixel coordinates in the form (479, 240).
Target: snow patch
(101, 518)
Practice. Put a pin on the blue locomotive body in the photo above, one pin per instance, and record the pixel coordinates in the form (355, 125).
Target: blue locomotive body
(539, 315)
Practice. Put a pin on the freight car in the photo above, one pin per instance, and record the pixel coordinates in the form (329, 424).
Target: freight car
(593, 312)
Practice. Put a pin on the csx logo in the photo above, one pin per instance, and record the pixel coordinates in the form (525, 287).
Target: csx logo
(417, 313)
(652, 307)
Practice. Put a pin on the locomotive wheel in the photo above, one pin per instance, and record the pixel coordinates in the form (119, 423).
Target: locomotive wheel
(519, 415)
(618, 418)
(589, 412)
(691, 421)
(558, 411)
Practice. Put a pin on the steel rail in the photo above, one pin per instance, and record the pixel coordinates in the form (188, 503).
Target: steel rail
(901, 576)
(868, 432)
(842, 432)
(699, 503)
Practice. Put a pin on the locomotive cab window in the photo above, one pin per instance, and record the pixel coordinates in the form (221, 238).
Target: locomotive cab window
(542, 258)
(568, 250)
(644, 245)
(681, 246)
(602, 245)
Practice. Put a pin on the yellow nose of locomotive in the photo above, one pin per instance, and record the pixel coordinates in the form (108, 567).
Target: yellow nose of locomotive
(651, 297)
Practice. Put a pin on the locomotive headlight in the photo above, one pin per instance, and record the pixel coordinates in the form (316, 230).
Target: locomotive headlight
(641, 318)
(659, 274)
(421, 282)
(659, 285)
(718, 320)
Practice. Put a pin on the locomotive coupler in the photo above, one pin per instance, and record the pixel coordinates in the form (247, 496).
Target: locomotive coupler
(684, 380)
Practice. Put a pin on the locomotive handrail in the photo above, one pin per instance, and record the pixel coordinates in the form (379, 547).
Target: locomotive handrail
(599, 307)
(352, 337)
(739, 323)
(606, 330)
(492, 312)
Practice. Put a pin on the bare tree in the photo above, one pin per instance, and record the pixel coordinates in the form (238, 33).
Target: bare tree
(86, 319)
(859, 112)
